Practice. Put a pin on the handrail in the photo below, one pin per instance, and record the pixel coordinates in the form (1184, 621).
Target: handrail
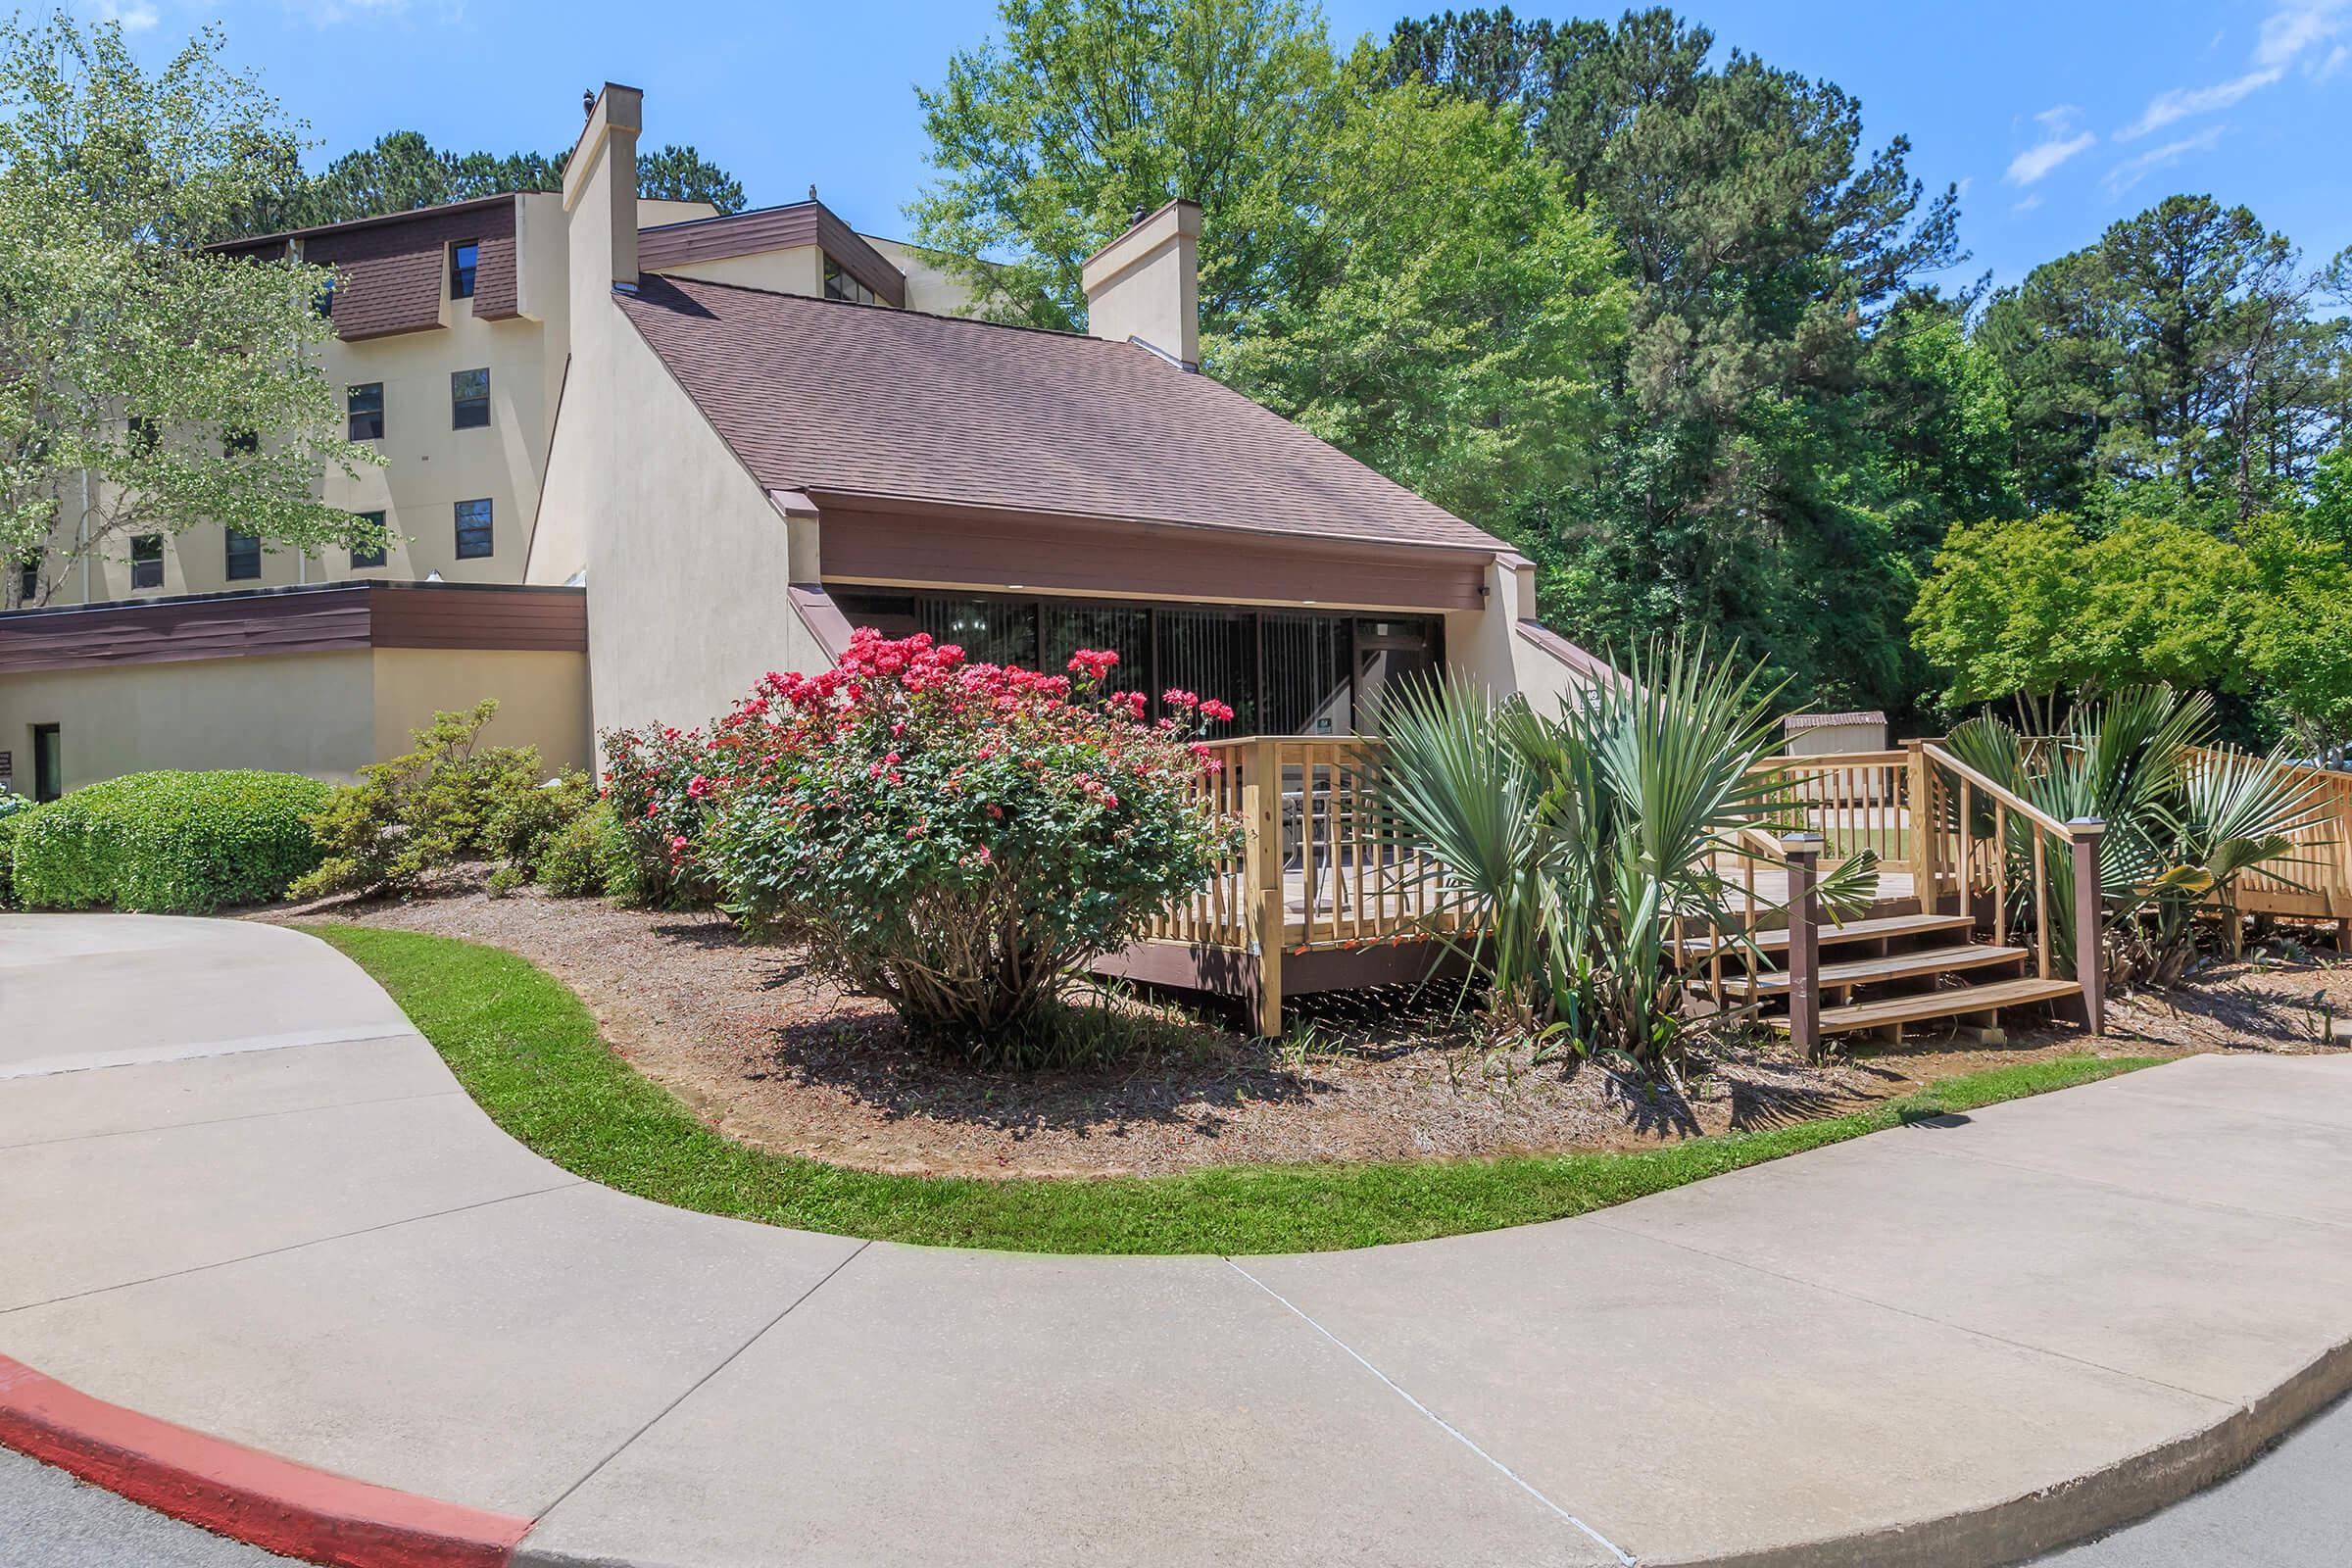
(2007, 797)
(1790, 761)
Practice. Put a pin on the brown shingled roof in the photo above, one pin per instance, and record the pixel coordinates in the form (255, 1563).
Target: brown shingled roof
(832, 398)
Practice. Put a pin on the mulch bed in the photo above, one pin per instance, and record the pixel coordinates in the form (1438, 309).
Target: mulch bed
(768, 1056)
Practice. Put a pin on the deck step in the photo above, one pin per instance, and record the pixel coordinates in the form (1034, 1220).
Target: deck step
(1894, 967)
(1884, 925)
(1951, 1003)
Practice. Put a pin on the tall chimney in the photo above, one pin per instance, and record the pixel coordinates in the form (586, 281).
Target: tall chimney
(599, 192)
(1146, 285)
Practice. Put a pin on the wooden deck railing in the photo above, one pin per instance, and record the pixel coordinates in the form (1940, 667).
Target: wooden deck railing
(2317, 882)
(1314, 870)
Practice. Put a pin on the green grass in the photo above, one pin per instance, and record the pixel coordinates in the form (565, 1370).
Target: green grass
(527, 1050)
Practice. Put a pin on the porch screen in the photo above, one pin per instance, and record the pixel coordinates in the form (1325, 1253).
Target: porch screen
(1284, 671)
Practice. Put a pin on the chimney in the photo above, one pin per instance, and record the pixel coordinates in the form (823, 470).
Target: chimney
(599, 193)
(1146, 285)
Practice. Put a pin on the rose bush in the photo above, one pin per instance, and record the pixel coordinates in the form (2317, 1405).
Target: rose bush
(956, 839)
(657, 781)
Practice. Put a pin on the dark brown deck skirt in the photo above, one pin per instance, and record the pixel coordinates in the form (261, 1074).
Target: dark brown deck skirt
(906, 544)
(1231, 972)
(771, 229)
(327, 617)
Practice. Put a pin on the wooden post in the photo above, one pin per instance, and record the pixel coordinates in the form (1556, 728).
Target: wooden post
(1261, 803)
(1919, 838)
(2091, 917)
(1803, 853)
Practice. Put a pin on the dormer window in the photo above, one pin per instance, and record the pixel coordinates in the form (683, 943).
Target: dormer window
(462, 257)
(840, 285)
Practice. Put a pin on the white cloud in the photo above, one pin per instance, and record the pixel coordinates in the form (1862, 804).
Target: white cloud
(2332, 63)
(2287, 34)
(2129, 172)
(2183, 102)
(2059, 142)
(135, 16)
(2290, 30)
(2018, 209)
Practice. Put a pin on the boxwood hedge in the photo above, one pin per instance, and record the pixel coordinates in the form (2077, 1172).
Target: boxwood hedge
(171, 842)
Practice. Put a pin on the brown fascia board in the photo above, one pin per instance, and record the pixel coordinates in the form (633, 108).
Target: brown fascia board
(314, 617)
(406, 216)
(1336, 544)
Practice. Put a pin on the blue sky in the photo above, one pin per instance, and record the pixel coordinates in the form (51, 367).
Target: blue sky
(2056, 116)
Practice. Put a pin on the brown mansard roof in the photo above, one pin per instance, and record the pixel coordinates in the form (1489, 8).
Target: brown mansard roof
(862, 400)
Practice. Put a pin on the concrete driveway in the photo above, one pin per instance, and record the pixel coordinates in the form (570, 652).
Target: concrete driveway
(244, 1197)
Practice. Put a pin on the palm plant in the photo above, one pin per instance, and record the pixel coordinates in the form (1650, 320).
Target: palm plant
(1569, 849)
(2184, 820)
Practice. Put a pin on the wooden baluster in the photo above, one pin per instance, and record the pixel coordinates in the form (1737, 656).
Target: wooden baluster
(1261, 796)
(2041, 902)
(2090, 962)
(2000, 875)
(1920, 847)
(1803, 854)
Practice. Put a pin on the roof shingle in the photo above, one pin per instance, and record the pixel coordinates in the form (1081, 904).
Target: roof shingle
(829, 397)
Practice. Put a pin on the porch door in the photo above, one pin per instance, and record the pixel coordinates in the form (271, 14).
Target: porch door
(48, 763)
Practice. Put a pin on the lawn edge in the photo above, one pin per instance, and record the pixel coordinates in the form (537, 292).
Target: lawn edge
(1219, 1210)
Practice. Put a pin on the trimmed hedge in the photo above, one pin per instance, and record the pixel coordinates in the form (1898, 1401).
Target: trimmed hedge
(169, 842)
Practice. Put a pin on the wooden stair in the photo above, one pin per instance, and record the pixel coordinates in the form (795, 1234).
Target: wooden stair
(1896, 967)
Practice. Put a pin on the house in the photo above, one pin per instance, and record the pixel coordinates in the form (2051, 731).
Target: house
(639, 454)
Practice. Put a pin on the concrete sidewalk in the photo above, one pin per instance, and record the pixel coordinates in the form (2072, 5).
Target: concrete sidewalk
(263, 1210)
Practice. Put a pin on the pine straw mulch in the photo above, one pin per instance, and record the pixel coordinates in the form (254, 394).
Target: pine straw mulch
(768, 1056)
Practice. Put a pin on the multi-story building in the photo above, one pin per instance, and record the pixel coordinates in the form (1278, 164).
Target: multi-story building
(637, 454)
(452, 334)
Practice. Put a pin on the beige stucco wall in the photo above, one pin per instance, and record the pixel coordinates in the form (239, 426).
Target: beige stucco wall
(293, 712)
(930, 286)
(1486, 644)
(325, 715)
(541, 698)
(796, 270)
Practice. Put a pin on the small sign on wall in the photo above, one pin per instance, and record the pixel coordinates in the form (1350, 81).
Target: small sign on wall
(8, 765)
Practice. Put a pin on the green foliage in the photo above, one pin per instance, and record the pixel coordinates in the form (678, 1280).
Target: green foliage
(134, 352)
(1086, 112)
(527, 1050)
(450, 798)
(169, 843)
(2184, 820)
(14, 809)
(2038, 608)
(1458, 313)
(525, 821)
(590, 855)
(1573, 845)
(2175, 367)
(403, 172)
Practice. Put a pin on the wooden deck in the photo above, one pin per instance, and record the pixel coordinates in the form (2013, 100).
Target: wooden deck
(1313, 901)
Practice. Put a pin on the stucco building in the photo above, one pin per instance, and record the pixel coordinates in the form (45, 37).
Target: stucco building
(639, 452)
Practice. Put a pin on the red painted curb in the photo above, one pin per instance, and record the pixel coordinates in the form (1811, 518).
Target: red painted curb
(242, 1493)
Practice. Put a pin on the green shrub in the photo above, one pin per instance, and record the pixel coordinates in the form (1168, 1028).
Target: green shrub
(14, 809)
(587, 856)
(447, 800)
(525, 821)
(176, 842)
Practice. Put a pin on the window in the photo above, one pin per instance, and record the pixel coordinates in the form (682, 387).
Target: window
(364, 560)
(474, 529)
(48, 764)
(28, 581)
(244, 557)
(366, 409)
(840, 285)
(240, 443)
(147, 561)
(144, 436)
(469, 399)
(462, 257)
(325, 302)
